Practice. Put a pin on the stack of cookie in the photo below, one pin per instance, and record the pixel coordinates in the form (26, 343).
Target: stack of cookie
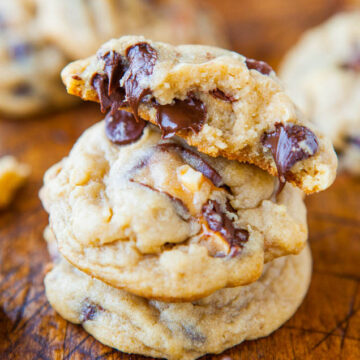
(177, 224)
(39, 37)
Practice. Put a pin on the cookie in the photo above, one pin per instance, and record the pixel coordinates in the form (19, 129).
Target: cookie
(29, 67)
(218, 101)
(156, 217)
(93, 22)
(180, 330)
(12, 176)
(322, 74)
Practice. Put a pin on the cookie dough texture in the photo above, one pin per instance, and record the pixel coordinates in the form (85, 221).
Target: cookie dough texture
(29, 66)
(116, 219)
(180, 330)
(93, 22)
(322, 75)
(232, 129)
(12, 176)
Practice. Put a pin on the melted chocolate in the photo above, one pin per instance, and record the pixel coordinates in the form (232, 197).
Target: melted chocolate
(181, 115)
(122, 128)
(114, 69)
(142, 58)
(219, 221)
(260, 66)
(289, 144)
(217, 93)
(195, 161)
(114, 100)
(89, 311)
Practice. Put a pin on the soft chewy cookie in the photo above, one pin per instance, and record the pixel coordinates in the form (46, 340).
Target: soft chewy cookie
(322, 73)
(217, 100)
(183, 331)
(12, 175)
(93, 22)
(156, 217)
(29, 67)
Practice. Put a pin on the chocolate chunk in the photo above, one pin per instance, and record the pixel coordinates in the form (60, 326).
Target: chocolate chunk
(289, 144)
(181, 115)
(22, 89)
(142, 58)
(219, 221)
(217, 93)
(122, 128)
(260, 66)
(195, 161)
(89, 311)
(113, 100)
(180, 207)
(20, 51)
(355, 140)
(353, 64)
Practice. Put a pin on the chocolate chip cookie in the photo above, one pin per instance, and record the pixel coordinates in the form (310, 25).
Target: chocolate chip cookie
(322, 73)
(218, 101)
(183, 331)
(29, 67)
(12, 176)
(156, 217)
(93, 22)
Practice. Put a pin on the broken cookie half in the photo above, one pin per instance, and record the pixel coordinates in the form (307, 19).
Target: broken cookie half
(220, 102)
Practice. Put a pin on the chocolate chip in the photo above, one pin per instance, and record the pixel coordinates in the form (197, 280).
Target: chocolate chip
(22, 89)
(122, 128)
(142, 58)
(20, 51)
(355, 140)
(217, 93)
(89, 311)
(113, 100)
(260, 66)
(219, 221)
(195, 161)
(115, 69)
(181, 115)
(289, 144)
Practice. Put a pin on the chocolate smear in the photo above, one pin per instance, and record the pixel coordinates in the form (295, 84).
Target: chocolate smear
(142, 58)
(179, 205)
(195, 161)
(89, 311)
(219, 221)
(122, 128)
(289, 144)
(260, 66)
(217, 93)
(181, 115)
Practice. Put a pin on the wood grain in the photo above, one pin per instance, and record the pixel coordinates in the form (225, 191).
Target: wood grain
(327, 325)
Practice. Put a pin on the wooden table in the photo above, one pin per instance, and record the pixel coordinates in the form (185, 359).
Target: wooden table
(327, 325)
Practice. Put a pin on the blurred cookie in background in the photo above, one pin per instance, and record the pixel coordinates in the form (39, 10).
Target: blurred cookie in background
(79, 27)
(322, 74)
(29, 66)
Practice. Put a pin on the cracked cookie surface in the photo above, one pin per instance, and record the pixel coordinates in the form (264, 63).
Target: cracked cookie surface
(180, 330)
(322, 74)
(217, 100)
(156, 217)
